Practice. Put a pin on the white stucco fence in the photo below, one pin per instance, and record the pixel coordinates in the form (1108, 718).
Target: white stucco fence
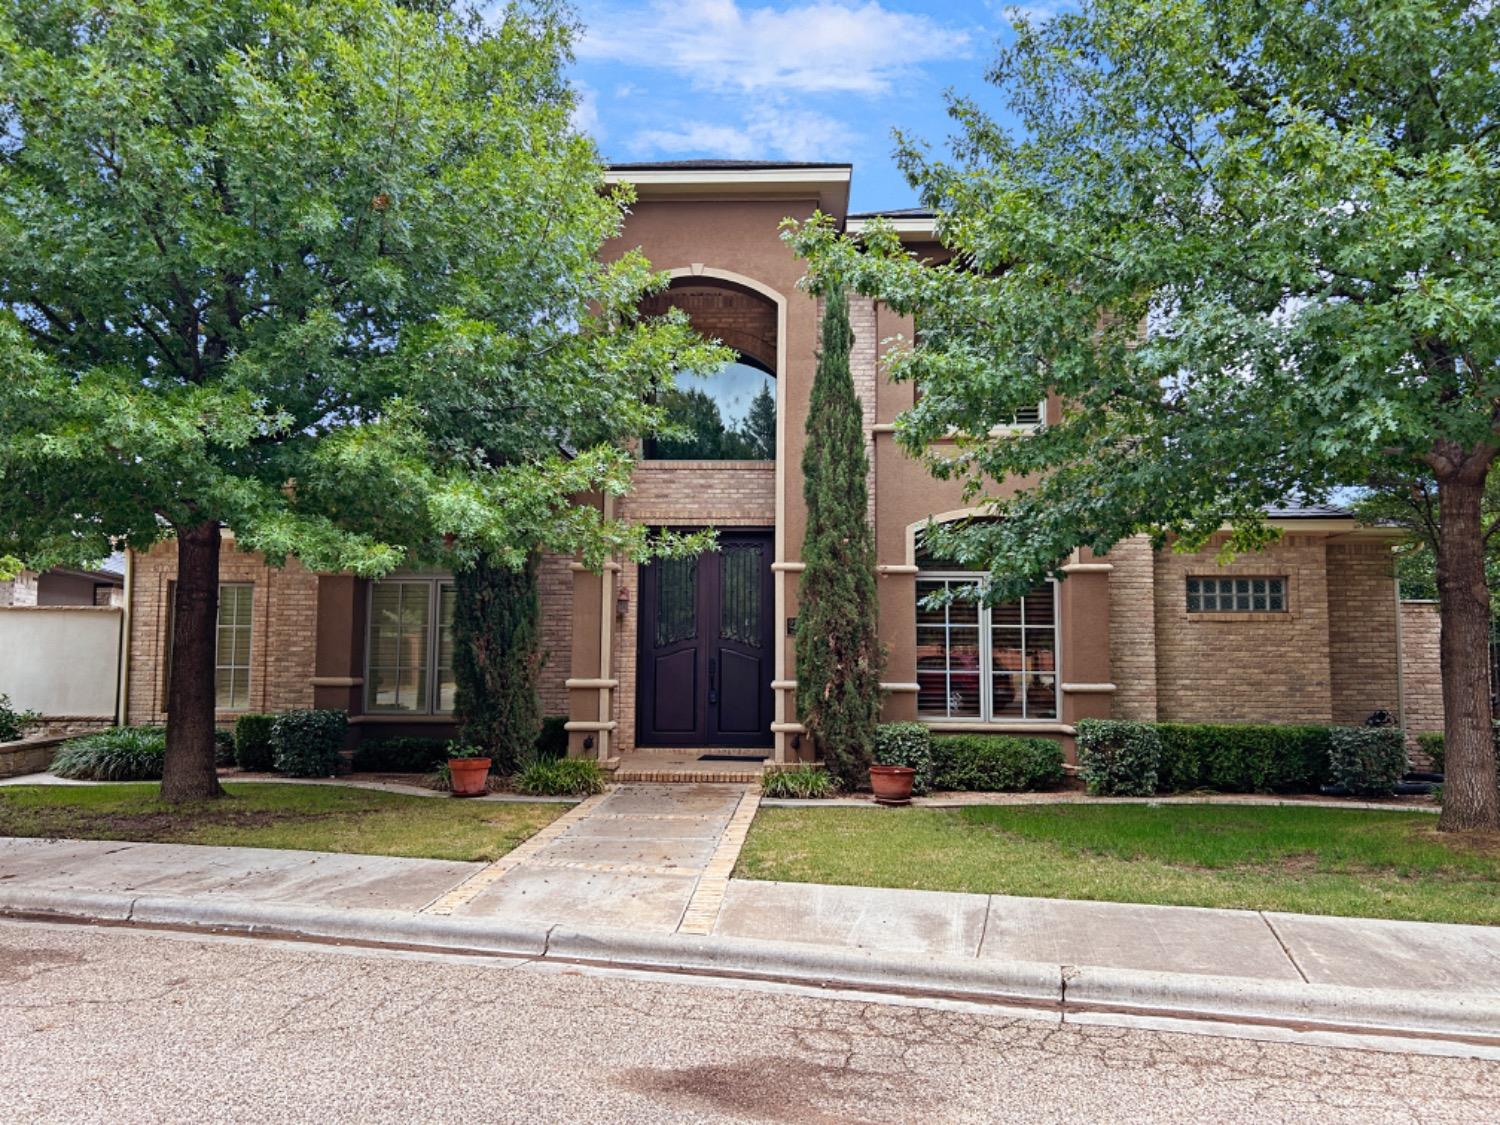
(61, 661)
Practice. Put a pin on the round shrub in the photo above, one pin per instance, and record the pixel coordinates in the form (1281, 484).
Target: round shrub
(117, 754)
(1118, 758)
(307, 743)
(564, 777)
(252, 742)
(906, 744)
(995, 763)
(1367, 760)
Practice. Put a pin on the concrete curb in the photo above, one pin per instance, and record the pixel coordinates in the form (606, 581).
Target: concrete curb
(1451, 1016)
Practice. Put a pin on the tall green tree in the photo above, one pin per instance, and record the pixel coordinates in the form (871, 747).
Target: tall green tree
(839, 658)
(322, 274)
(1253, 246)
(759, 429)
(497, 658)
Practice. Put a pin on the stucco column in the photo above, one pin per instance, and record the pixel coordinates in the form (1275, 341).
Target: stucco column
(1087, 689)
(339, 653)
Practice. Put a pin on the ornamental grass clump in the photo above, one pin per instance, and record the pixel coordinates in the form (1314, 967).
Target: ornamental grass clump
(117, 754)
(801, 783)
(565, 777)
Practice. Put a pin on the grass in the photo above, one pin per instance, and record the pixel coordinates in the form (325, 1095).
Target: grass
(314, 817)
(1305, 860)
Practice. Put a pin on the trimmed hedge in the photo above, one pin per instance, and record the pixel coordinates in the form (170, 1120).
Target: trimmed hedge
(1367, 760)
(995, 762)
(1241, 758)
(307, 743)
(400, 755)
(223, 747)
(906, 744)
(1118, 758)
(1431, 743)
(252, 742)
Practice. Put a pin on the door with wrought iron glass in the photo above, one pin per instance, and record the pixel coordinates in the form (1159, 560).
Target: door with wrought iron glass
(705, 656)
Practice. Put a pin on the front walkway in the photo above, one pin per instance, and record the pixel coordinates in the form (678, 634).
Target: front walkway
(649, 858)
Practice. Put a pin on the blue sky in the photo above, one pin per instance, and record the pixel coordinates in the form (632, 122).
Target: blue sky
(792, 80)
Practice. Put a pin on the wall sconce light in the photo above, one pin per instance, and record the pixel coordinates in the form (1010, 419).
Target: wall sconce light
(796, 742)
(622, 603)
(588, 742)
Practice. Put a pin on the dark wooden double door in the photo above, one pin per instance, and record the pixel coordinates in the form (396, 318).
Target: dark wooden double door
(705, 651)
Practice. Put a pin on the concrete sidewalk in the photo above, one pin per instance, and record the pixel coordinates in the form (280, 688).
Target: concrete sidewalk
(1063, 959)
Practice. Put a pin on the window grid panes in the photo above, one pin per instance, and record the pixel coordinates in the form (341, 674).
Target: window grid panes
(1236, 595)
(232, 647)
(409, 653)
(986, 662)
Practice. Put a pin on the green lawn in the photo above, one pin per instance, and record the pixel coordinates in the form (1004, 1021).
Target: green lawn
(1306, 860)
(316, 817)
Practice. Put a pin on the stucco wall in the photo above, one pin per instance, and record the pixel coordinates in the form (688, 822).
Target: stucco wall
(61, 661)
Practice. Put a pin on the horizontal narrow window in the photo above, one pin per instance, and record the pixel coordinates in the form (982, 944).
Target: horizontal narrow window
(1236, 595)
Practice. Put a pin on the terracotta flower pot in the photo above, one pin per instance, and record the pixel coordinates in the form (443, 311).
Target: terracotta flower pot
(469, 776)
(892, 784)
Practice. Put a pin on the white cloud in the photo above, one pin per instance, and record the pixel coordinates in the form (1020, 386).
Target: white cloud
(825, 46)
(586, 110)
(764, 133)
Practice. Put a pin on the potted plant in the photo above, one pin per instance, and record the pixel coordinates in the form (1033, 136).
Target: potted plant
(892, 784)
(468, 769)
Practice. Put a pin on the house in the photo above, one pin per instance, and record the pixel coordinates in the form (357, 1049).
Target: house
(103, 585)
(697, 653)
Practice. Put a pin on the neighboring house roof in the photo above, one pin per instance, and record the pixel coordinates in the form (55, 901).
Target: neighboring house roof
(896, 213)
(723, 165)
(1309, 512)
(115, 564)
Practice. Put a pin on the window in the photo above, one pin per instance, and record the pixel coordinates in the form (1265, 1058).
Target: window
(1236, 595)
(232, 648)
(729, 415)
(232, 629)
(409, 652)
(985, 663)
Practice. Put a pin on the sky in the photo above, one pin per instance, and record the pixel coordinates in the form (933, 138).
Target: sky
(790, 80)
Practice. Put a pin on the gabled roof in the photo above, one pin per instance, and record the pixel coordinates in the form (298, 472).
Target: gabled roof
(1308, 512)
(896, 213)
(690, 180)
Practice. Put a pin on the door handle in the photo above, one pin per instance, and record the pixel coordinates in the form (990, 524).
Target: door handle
(713, 680)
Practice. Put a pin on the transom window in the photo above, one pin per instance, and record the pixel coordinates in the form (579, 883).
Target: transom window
(409, 653)
(1236, 595)
(985, 663)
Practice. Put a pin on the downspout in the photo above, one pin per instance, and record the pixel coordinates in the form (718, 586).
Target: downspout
(606, 639)
(122, 685)
(1400, 660)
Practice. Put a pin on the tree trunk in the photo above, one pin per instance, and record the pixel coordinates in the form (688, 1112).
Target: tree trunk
(1470, 800)
(188, 772)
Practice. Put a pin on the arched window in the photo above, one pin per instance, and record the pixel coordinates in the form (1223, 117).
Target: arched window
(729, 415)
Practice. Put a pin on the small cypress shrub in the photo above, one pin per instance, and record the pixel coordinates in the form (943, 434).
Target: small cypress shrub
(996, 763)
(552, 743)
(307, 743)
(1117, 758)
(806, 782)
(117, 754)
(1367, 760)
(906, 744)
(839, 656)
(252, 742)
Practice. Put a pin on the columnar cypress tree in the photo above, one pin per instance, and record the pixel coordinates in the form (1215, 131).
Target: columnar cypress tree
(838, 653)
(496, 658)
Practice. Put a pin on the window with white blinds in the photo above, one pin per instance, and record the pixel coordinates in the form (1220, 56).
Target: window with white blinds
(409, 651)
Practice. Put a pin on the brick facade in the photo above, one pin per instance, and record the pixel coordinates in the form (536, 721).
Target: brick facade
(20, 590)
(1421, 667)
(1132, 632)
(555, 589)
(283, 633)
(1362, 610)
(722, 311)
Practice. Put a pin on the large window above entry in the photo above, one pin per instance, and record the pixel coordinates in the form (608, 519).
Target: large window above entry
(409, 655)
(729, 415)
(985, 663)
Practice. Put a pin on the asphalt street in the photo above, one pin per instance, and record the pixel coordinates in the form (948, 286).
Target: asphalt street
(115, 1025)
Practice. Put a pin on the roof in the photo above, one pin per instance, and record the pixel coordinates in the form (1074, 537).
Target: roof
(1309, 512)
(722, 165)
(896, 213)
